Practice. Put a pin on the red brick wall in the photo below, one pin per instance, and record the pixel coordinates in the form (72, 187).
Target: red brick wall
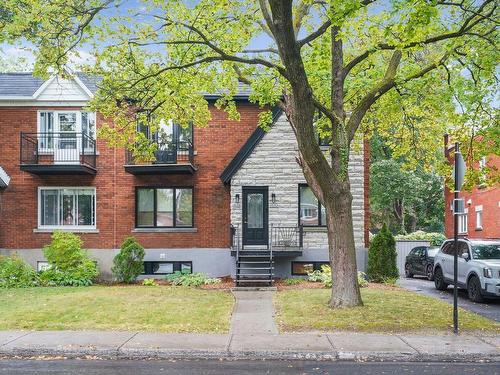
(215, 145)
(489, 198)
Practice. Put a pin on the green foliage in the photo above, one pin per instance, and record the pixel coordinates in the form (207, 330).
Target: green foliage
(362, 280)
(128, 263)
(435, 239)
(191, 279)
(69, 263)
(406, 199)
(325, 276)
(382, 257)
(293, 281)
(149, 282)
(15, 273)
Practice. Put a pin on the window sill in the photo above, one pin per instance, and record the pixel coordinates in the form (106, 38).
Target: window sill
(320, 229)
(72, 230)
(164, 230)
(478, 229)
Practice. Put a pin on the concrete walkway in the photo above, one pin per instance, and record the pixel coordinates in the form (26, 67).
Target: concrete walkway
(253, 313)
(335, 346)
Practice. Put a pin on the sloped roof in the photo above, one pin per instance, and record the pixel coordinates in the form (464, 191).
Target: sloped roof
(24, 85)
(247, 149)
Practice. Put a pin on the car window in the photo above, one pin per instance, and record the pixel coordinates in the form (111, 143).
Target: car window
(447, 248)
(421, 251)
(462, 248)
(414, 251)
(486, 251)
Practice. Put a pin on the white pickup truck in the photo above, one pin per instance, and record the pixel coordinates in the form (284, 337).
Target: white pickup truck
(478, 267)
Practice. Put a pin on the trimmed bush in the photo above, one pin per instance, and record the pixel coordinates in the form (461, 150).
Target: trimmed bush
(435, 239)
(15, 273)
(191, 279)
(128, 263)
(69, 263)
(382, 257)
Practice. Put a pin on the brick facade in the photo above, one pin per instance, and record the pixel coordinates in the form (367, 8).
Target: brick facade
(214, 146)
(485, 199)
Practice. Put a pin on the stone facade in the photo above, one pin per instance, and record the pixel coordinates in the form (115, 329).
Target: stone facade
(273, 164)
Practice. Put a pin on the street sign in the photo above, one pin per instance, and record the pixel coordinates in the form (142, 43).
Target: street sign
(459, 170)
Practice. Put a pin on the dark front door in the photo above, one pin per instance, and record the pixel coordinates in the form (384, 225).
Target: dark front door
(255, 216)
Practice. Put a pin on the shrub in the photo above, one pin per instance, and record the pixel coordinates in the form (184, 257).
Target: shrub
(382, 257)
(69, 264)
(324, 276)
(128, 263)
(362, 281)
(435, 239)
(15, 273)
(149, 282)
(191, 279)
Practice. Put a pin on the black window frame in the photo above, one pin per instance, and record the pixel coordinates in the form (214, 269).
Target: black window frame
(177, 266)
(320, 224)
(316, 266)
(155, 206)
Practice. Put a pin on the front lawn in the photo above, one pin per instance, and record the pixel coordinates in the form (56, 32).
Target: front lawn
(160, 309)
(384, 310)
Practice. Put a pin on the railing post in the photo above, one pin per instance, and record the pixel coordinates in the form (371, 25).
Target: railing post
(301, 236)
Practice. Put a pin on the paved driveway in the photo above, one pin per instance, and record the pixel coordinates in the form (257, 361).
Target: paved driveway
(490, 309)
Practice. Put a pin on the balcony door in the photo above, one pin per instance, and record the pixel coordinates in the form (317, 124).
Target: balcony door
(255, 215)
(67, 143)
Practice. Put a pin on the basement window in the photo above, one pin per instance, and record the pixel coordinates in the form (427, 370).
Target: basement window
(304, 268)
(167, 268)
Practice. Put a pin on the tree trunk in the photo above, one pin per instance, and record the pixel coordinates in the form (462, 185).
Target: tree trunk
(342, 251)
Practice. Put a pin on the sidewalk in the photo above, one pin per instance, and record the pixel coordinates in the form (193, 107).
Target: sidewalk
(253, 335)
(336, 346)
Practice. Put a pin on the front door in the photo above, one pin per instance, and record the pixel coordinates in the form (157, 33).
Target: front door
(255, 216)
(67, 144)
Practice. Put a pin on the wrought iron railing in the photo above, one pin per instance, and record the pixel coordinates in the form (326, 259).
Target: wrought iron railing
(286, 237)
(166, 153)
(57, 148)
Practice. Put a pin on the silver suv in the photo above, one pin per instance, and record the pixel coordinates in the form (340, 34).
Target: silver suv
(478, 267)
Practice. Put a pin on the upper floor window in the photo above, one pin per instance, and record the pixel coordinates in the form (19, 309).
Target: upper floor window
(463, 222)
(167, 133)
(479, 217)
(311, 212)
(164, 207)
(66, 208)
(55, 127)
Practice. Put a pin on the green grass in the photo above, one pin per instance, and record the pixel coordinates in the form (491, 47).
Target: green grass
(160, 309)
(384, 310)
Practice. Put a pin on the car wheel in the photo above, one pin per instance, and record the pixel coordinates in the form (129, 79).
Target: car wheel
(474, 289)
(430, 273)
(439, 282)
(408, 273)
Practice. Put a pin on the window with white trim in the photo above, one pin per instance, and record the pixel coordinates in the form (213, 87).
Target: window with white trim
(462, 222)
(479, 217)
(311, 212)
(66, 208)
(67, 122)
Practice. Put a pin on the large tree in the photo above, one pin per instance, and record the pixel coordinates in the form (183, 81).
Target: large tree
(335, 67)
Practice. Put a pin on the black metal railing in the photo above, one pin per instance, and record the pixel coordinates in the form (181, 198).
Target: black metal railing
(235, 237)
(166, 153)
(57, 148)
(283, 237)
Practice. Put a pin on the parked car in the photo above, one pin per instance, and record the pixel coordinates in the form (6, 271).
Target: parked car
(478, 267)
(420, 261)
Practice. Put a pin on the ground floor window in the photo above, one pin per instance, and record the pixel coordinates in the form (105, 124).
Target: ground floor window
(164, 207)
(66, 207)
(166, 268)
(462, 222)
(311, 212)
(303, 268)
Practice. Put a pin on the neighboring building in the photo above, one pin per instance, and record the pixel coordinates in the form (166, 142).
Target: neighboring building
(185, 208)
(482, 207)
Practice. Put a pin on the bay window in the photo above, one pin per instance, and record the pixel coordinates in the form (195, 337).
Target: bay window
(66, 208)
(164, 207)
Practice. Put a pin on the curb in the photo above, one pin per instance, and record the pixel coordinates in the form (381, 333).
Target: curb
(148, 354)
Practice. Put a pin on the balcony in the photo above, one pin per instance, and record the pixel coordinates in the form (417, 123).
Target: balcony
(58, 153)
(169, 158)
(284, 241)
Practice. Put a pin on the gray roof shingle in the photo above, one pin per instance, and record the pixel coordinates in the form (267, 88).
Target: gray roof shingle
(25, 85)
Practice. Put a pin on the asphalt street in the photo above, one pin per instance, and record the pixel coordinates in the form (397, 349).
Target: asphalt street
(490, 309)
(204, 367)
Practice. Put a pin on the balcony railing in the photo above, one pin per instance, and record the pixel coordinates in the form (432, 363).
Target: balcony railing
(282, 239)
(168, 158)
(68, 152)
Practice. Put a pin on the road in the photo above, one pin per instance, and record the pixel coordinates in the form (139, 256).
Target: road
(213, 367)
(490, 309)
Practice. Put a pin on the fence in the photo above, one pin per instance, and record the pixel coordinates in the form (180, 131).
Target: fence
(403, 248)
